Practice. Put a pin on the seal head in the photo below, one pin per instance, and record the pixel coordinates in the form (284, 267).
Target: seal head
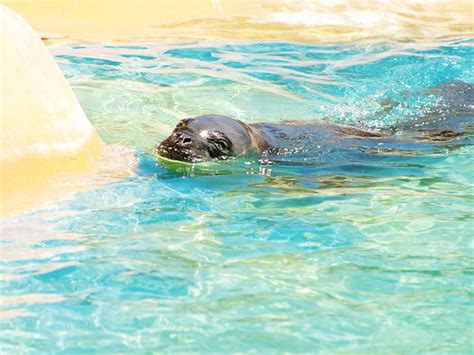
(210, 137)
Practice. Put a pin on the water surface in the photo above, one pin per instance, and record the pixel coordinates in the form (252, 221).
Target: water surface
(358, 251)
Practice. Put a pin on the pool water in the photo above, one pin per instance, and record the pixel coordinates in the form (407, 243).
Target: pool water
(336, 251)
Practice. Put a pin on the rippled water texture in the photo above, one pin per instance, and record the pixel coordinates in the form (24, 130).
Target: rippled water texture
(360, 252)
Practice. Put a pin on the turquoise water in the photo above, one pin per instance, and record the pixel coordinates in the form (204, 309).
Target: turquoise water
(337, 251)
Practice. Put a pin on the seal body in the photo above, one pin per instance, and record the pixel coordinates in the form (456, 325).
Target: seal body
(293, 136)
(215, 137)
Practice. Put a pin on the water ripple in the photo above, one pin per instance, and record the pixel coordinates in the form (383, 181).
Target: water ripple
(339, 251)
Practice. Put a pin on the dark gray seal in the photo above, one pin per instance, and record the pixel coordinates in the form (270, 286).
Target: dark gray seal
(215, 137)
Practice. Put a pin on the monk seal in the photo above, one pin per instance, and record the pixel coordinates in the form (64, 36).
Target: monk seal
(216, 137)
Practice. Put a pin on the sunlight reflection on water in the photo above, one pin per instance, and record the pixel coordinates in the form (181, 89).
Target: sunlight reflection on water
(351, 251)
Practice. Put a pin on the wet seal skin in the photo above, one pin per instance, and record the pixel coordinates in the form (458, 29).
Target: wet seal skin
(215, 137)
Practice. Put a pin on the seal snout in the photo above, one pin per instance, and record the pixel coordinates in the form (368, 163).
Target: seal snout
(178, 146)
(182, 139)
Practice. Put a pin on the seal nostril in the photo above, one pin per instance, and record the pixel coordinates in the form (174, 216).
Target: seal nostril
(186, 140)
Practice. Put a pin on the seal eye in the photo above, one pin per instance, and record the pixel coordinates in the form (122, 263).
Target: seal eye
(219, 144)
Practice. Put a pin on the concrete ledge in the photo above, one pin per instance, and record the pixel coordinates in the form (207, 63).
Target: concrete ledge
(44, 131)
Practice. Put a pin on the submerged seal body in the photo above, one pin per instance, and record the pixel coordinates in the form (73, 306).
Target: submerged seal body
(215, 137)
